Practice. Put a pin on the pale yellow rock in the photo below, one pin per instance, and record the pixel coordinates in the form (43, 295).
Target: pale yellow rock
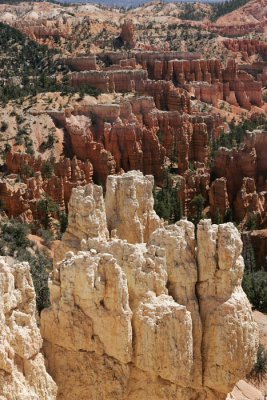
(86, 218)
(227, 353)
(162, 324)
(163, 320)
(144, 266)
(245, 391)
(130, 206)
(22, 370)
(178, 240)
(92, 309)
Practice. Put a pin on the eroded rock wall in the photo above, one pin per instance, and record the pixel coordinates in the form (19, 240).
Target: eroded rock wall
(129, 206)
(157, 320)
(31, 179)
(242, 170)
(22, 369)
(211, 81)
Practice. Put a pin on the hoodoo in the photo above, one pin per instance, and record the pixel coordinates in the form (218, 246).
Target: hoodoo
(156, 320)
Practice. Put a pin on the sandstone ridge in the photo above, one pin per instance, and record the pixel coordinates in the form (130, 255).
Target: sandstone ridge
(156, 317)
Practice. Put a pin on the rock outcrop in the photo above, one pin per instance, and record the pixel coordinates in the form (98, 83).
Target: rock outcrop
(40, 179)
(129, 206)
(86, 219)
(22, 369)
(248, 46)
(149, 321)
(81, 63)
(258, 240)
(138, 133)
(243, 168)
(218, 198)
(127, 34)
(211, 81)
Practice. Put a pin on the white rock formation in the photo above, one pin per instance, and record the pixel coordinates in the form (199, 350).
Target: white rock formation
(223, 305)
(158, 321)
(22, 370)
(130, 206)
(86, 218)
(127, 212)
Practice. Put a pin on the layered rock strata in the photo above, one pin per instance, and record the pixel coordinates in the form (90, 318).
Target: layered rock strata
(211, 82)
(22, 197)
(22, 369)
(248, 46)
(135, 134)
(81, 63)
(243, 169)
(165, 319)
(208, 79)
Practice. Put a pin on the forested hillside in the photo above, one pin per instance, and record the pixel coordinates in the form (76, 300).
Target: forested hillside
(226, 7)
(25, 66)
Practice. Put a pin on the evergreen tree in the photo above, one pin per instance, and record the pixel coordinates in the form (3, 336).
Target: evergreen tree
(198, 207)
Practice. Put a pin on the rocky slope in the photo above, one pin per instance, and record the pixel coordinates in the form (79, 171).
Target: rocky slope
(157, 320)
(22, 369)
(254, 12)
(178, 26)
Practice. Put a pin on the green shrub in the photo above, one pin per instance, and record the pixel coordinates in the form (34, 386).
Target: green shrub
(167, 204)
(27, 171)
(6, 150)
(47, 169)
(198, 207)
(49, 144)
(225, 7)
(45, 208)
(22, 131)
(14, 242)
(20, 119)
(237, 133)
(192, 13)
(259, 371)
(253, 222)
(14, 237)
(41, 266)
(255, 287)
(47, 236)
(63, 219)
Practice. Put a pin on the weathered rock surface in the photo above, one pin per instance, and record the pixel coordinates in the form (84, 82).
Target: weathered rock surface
(218, 197)
(22, 369)
(129, 206)
(81, 63)
(86, 219)
(157, 321)
(248, 46)
(22, 197)
(243, 168)
(137, 133)
(258, 240)
(191, 184)
(128, 34)
(211, 81)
